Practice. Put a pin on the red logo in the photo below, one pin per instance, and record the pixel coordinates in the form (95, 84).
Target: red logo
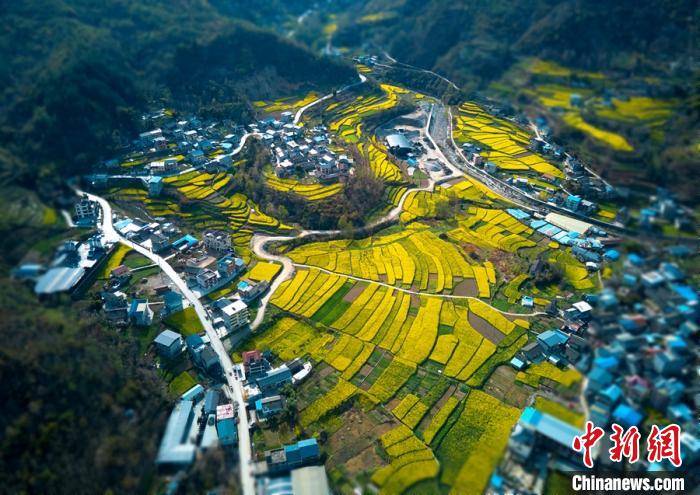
(625, 444)
(587, 441)
(665, 444)
(661, 444)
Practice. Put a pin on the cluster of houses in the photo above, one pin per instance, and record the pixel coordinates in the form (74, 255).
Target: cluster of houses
(664, 209)
(172, 145)
(589, 244)
(299, 151)
(636, 343)
(202, 419)
(264, 383)
(206, 266)
(295, 467)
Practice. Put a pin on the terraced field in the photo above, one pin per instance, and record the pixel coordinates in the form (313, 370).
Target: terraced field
(348, 115)
(290, 103)
(219, 209)
(491, 228)
(503, 143)
(311, 192)
(413, 258)
(379, 161)
(460, 335)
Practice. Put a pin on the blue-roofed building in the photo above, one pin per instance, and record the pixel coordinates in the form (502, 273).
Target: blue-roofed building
(607, 362)
(671, 272)
(59, 279)
(680, 413)
(608, 299)
(635, 260)
(172, 302)
(585, 254)
(611, 255)
(211, 401)
(140, 312)
(185, 242)
(155, 185)
(538, 431)
(302, 453)
(518, 363)
(518, 213)
(626, 416)
(610, 396)
(680, 251)
(686, 292)
(176, 448)
(598, 379)
(652, 280)
(168, 344)
(122, 224)
(552, 340)
(274, 379)
(668, 364)
(573, 202)
(226, 425)
(194, 342)
(536, 224)
(629, 279)
(527, 301)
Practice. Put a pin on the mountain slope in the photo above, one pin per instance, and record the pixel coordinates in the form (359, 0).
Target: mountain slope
(475, 42)
(87, 70)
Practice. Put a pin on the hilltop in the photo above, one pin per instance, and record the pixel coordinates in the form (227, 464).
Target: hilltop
(87, 70)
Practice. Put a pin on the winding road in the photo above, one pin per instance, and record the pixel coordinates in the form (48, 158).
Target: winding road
(259, 243)
(244, 447)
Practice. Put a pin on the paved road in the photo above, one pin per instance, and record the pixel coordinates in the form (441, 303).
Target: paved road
(300, 112)
(415, 292)
(234, 152)
(235, 385)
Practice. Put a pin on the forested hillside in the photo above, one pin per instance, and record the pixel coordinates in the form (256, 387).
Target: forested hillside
(87, 70)
(476, 42)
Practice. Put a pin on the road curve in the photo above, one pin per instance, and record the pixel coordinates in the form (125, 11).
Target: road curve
(235, 385)
(300, 112)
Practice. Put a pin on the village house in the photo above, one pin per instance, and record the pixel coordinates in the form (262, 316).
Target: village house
(217, 240)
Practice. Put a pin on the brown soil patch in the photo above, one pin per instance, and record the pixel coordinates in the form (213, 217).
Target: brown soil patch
(366, 461)
(501, 384)
(466, 287)
(485, 328)
(354, 292)
(359, 432)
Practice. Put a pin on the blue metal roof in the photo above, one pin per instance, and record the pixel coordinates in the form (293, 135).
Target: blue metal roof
(552, 338)
(228, 434)
(518, 213)
(188, 239)
(685, 291)
(627, 416)
(123, 223)
(549, 426)
(194, 341)
(59, 279)
(612, 254)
